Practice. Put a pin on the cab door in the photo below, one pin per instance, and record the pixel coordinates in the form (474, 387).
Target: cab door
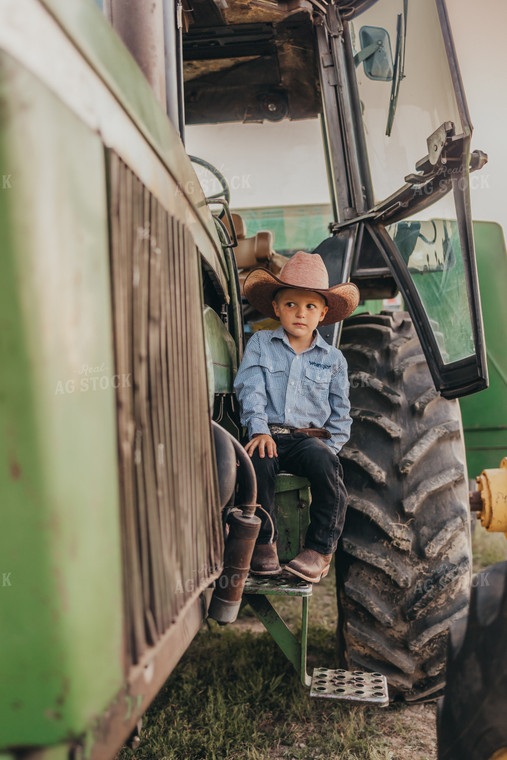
(398, 135)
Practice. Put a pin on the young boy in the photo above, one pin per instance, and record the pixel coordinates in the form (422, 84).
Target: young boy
(293, 390)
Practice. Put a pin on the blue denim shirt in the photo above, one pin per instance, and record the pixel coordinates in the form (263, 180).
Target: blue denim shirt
(276, 386)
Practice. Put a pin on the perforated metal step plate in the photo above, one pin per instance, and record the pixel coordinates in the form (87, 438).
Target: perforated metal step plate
(285, 584)
(350, 685)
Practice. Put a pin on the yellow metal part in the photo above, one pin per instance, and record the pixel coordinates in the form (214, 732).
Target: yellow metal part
(500, 754)
(493, 489)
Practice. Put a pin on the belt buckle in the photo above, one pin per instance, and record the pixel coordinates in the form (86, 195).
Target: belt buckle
(279, 429)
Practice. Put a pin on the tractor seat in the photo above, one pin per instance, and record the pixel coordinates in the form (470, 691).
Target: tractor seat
(254, 251)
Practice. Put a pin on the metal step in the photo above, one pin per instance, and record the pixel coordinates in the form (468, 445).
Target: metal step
(285, 584)
(351, 686)
(256, 593)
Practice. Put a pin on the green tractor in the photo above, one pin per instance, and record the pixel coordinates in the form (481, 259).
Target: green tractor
(123, 325)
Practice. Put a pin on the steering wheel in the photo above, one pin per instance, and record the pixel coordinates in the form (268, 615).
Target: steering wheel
(224, 193)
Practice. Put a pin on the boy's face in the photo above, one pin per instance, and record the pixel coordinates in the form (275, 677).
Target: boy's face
(299, 311)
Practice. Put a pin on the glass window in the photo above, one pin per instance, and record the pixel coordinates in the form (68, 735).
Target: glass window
(401, 113)
(295, 228)
(432, 252)
(277, 177)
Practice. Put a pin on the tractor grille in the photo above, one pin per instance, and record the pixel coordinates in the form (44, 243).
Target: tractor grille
(171, 529)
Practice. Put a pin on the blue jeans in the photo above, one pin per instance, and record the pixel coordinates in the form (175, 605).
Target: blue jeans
(311, 458)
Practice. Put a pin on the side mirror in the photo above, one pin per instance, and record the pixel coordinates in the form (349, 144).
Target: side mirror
(376, 54)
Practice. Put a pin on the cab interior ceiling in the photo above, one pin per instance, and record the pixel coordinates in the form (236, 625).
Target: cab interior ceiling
(249, 60)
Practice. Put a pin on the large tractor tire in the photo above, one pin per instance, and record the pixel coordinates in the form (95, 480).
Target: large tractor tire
(404, 560)
(471, 717)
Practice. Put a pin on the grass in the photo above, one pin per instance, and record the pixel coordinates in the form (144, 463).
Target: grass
(488, 548)
(235, 697)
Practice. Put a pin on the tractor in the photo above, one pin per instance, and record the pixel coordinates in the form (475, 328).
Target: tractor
(123, 324)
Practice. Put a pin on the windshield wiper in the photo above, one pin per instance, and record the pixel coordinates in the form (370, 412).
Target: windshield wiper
(399, 65)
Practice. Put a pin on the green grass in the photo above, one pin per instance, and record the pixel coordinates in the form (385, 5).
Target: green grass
(488, 548)
(234, 696)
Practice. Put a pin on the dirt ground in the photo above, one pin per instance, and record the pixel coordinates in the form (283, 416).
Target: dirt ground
(406, 733)
(410, 732)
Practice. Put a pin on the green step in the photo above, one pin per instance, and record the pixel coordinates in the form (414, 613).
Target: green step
(277, 585)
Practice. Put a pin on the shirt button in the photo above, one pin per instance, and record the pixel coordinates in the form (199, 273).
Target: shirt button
(288, 410)
(292, 382)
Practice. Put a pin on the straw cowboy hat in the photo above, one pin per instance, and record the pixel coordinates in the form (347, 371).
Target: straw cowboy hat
(304, 271)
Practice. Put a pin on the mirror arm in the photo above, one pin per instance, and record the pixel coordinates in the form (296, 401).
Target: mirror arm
(367, 52)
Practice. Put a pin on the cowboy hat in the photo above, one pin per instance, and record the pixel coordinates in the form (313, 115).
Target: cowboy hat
(304, 271)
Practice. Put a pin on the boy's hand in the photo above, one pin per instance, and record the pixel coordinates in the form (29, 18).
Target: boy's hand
(264, 443)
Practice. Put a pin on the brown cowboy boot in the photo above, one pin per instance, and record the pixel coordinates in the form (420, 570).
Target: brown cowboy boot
(265, 560)
(310, 565)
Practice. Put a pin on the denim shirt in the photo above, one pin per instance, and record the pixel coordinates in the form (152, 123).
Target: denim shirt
(276, 386)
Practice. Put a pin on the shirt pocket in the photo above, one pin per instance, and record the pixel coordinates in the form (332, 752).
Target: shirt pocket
(275, 377)
(316, 382)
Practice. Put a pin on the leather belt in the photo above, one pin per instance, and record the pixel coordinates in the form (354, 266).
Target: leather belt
(311, 431)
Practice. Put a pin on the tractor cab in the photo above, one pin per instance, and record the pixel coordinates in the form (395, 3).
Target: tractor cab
(335, 93)
(124, 328)
(317, 127)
